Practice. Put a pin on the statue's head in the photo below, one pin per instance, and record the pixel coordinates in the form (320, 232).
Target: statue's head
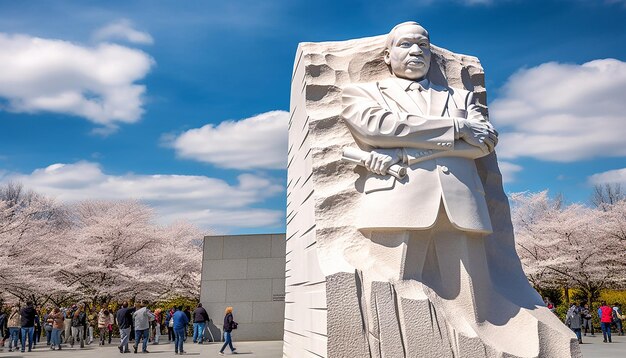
(407, 51)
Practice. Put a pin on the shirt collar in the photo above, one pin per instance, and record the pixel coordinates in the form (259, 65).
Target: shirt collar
(406, 84)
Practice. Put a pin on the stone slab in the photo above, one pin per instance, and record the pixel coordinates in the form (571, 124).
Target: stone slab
(224, 269)
(249, 290)
(247, 246)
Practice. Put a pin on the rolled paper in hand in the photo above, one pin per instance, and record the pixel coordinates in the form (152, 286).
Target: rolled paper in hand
(357, 156)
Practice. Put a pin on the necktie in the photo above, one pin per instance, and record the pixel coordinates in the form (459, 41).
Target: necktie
(416, 93)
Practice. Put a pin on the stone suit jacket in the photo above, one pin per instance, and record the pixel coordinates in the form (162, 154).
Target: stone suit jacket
(440, 169)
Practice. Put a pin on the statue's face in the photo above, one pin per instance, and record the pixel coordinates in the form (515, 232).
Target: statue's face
(409, 54)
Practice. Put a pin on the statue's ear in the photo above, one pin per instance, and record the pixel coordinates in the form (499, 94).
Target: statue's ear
(386, 57)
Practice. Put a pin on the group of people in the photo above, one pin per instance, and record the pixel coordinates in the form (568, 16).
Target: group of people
(22, 327)
(60, 325)
(580, 318)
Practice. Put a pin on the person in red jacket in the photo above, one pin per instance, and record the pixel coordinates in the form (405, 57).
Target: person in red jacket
(606, 318)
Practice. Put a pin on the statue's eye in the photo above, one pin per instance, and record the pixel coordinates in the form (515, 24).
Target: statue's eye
(424, 44)
(405, 44)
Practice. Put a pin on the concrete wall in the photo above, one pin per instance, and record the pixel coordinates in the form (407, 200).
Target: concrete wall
(246, 272)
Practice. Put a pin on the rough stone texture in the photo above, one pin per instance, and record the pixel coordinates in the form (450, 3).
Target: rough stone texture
(245, 272)
(324, 248)
(345, 303)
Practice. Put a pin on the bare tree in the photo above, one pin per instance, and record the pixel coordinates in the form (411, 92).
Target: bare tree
(606, 195)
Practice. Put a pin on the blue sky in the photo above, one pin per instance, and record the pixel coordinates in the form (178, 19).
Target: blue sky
(182, 103)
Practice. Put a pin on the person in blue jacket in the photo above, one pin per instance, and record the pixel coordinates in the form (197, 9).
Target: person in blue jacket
(180, 325)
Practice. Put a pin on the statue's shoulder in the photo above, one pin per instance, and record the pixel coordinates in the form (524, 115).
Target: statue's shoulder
(366, 86)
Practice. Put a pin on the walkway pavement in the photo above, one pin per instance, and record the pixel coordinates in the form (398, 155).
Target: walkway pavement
(272, 349)
(592, 348)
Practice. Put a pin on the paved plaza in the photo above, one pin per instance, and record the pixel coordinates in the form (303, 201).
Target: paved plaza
(592, 348)
(260, 349)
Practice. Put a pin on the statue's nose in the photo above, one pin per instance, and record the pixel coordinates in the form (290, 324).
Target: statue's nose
(415, 49)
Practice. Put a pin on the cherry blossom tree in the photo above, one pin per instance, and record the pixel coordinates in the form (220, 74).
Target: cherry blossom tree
(92, 250)
(119, 251)
(568, 245)
(30, 225)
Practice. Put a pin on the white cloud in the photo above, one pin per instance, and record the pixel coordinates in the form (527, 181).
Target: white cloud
(563, 112)
(255, 142)
(97, 83)
(617, 176)
(123, 30)
(208, 202)
(508, 171)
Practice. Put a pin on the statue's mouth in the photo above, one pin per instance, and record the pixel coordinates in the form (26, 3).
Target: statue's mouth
(415, 62)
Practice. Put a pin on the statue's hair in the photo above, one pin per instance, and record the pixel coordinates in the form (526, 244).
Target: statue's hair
(390, 36)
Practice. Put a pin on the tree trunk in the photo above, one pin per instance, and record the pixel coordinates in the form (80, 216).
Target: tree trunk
(566, 294)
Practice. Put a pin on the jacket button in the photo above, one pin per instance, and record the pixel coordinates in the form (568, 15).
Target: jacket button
(445, 169)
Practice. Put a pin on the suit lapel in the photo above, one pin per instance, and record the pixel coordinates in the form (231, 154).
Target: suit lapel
(393, 91)
(438, 100)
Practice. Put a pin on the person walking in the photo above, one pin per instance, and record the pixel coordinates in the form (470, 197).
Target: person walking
(124, 316)
(56, 316)
(574, 321)
(142, 318)
(617, 318)
(229, 325)
(200, 317)
(606, 318)
(79, 322)
(27, 323)
(14, 325)
(180, 322)
(104, 321)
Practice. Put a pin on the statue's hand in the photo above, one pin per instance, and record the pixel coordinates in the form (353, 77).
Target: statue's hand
(380, 160)
(478, 133)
